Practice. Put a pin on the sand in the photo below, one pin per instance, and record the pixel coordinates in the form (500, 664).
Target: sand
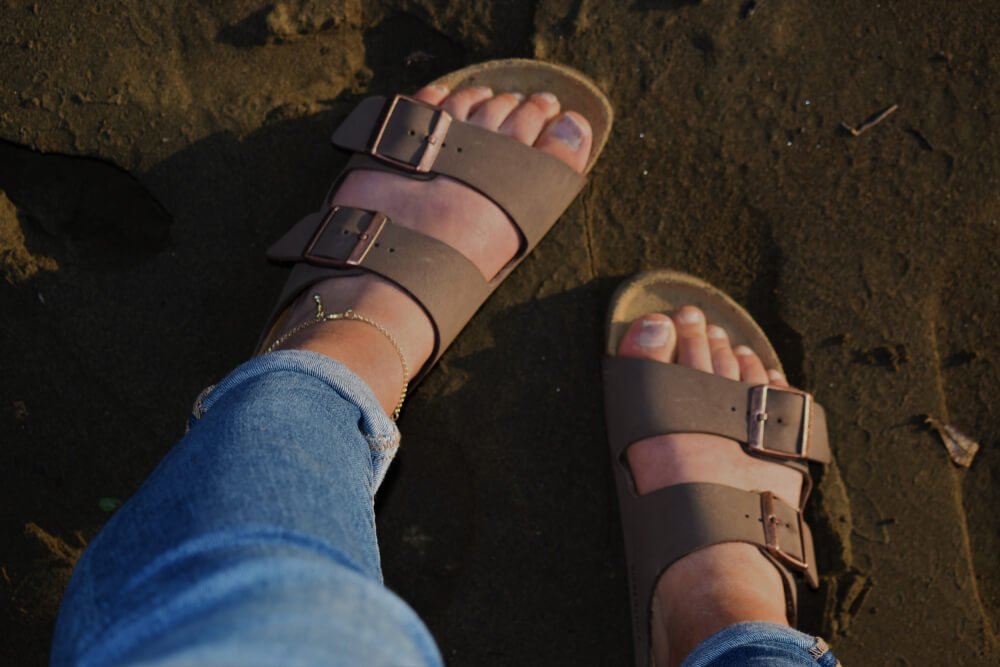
(150, 151)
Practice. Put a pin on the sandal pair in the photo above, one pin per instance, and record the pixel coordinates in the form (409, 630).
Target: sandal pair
(401, 135)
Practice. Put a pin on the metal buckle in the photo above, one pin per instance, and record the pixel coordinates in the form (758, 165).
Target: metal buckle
(757, 419)
(771, 523)
(432, 141)
(365, 238)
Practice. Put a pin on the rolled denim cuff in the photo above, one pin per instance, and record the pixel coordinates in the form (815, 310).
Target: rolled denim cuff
(377, 428)
(779, 644)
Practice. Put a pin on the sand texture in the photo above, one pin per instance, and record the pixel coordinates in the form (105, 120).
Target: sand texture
(150, 151)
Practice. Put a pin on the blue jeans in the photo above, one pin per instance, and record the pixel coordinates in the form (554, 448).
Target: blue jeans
(253, 542)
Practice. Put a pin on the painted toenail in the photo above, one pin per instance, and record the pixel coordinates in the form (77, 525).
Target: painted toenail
(716, 332)
(690, 316)
(654, 334)
(742, 351)
(567, 131)
(547, 97)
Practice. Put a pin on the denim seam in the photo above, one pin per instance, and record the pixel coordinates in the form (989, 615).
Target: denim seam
(748, 634)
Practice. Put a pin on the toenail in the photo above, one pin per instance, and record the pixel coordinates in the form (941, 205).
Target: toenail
(717, 332)
(742, 351)
(439, 88)
(775, 375)
(689, 316)
(517, 96)
(548, 98)
(567, 131)
(654, 334)
(485, 91)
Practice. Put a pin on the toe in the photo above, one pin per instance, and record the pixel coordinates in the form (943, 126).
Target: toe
(692, 339)
(652, 337)
(777, 378)
(433, 94)
(494, 111)
(525, 123)
(723, 360)
(460, 104)
(568, 137)
(751, 367)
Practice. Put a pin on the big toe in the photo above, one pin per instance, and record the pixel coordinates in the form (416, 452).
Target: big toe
(567, 137)
(651, 337)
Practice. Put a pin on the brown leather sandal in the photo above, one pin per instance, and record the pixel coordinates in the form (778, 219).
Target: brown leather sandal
(644, 398)
(404, 136)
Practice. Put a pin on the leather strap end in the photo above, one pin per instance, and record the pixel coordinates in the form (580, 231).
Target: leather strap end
(355, 133)
(291, 246)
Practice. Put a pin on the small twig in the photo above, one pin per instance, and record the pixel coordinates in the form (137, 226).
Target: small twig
(870, 123)
(417, 57)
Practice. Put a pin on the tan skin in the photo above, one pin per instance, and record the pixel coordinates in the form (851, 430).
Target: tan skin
(703, 592)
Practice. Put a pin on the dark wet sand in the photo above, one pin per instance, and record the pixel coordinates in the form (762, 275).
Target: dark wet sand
(151, 151)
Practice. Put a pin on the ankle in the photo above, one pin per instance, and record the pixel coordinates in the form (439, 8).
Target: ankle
(714, 588)
(365, 350)
(387, 304)
(386, 339)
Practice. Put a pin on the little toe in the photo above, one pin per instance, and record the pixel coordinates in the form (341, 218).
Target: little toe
(651, 337)
(723, 360)
(459, 104)
(433, 94)
(567, 137)
(525, 123)
(494, 111)
(692, 339)
(751, 367)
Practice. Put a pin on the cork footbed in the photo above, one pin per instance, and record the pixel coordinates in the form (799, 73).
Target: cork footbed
(664, 291)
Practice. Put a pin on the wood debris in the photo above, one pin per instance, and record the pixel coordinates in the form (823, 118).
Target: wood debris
(961, 448)
(871, 122)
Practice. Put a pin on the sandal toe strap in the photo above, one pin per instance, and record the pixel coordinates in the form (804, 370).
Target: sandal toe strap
(645, 398)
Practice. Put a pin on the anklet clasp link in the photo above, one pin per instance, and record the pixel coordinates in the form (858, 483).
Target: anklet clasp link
(325, 251)
(758, 418)
(410, 134)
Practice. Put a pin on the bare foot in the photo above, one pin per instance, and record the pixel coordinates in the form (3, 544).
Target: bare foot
(442, 208)
(715, 587)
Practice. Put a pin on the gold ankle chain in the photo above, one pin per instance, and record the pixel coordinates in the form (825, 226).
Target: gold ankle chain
(349, 314)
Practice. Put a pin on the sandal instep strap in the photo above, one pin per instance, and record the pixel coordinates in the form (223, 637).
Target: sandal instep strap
(345, 240)
(645, 398)
(692, 516)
